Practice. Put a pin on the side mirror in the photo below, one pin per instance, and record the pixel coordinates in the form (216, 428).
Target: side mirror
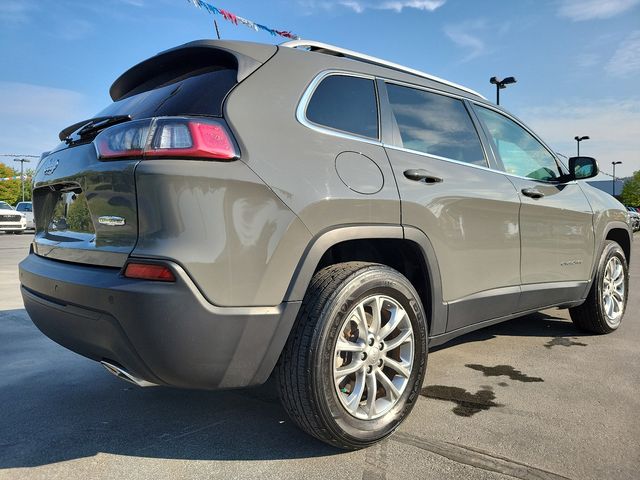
(581, 168)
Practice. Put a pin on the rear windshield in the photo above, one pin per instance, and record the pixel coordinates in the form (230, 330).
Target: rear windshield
(197, 93)
(24, 207)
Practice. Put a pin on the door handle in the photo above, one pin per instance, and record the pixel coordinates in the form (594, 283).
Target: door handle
(532, 192)
(420, 175)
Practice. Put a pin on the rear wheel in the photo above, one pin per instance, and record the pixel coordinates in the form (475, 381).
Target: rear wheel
(605, 305)
(354, 364)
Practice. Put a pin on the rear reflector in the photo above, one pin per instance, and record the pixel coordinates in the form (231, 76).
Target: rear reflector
(147, 271)
(175, 137)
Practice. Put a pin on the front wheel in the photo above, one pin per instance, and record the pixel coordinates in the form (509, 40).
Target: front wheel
(354, 364)
(605, 305)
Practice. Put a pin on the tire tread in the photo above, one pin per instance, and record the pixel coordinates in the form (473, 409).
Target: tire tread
(293, 370)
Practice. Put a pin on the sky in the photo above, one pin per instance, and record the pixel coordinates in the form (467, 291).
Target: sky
(577, 62)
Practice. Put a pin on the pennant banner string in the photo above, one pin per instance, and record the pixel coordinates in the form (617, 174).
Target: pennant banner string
(17, 177)
(237, 20)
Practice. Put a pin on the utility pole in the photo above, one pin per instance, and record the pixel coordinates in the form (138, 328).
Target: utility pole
(22, 160)
(613, 180)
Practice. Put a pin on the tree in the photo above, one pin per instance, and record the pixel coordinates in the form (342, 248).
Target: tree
(10, 190)
(631, 191)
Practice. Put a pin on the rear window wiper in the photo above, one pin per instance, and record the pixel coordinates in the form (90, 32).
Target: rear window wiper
(91, 125)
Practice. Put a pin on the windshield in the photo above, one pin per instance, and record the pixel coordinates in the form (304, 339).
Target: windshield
(24, 207)
(5, 206)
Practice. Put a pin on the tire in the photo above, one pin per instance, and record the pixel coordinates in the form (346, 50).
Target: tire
(337, 298)
(596, 314)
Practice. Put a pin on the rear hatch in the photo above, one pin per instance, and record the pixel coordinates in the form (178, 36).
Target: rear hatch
(85, 204)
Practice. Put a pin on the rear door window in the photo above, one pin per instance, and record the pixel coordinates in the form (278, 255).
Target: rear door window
(345, 103)
(435, 124)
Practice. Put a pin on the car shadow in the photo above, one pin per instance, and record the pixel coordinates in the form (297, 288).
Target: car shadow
(59, 406)
(558, 330)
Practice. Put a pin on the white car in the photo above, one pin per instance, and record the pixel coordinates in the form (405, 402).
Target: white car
(635, 218)
(10, 220)
(27, 209)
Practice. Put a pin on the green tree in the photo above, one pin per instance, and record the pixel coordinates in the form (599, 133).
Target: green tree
(78, 216)
(631, 191)
(9, 189)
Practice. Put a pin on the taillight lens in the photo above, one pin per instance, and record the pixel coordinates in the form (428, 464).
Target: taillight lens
(148, 271)
(175, 137)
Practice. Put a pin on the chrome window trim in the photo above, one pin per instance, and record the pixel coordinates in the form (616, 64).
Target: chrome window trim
(438, 157)
(301, 116)
(427, 89)
(452, 160)
(301, 111)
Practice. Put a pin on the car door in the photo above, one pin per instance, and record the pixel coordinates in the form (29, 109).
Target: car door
(468, 211)
(556, 226)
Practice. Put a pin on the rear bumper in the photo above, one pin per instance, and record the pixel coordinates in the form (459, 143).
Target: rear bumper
(164, 333)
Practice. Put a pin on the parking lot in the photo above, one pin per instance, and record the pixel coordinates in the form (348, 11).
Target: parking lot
(532, 398)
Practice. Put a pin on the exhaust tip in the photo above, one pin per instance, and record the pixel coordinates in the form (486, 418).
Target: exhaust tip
(122, 374)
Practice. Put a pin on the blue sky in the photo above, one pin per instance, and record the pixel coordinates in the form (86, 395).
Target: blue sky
(577, 62)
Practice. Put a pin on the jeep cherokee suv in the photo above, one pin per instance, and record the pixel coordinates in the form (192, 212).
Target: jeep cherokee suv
(243, 209)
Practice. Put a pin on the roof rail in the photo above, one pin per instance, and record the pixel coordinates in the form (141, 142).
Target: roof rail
(325, 47)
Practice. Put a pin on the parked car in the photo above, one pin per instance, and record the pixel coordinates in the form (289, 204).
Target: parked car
(635, 218)
(10, 220)
(26, 208)
(242, 210)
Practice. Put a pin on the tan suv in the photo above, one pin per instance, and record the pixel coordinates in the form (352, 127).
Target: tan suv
(242, 209)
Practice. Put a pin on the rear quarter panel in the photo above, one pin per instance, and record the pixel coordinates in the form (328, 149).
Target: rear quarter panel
(233, 236)
(297, 162)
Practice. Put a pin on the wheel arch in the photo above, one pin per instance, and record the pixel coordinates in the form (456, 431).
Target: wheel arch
(619, 233)
(405, 249)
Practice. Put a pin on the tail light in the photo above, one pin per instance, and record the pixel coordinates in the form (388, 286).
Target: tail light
(148, 271)
(175, 137)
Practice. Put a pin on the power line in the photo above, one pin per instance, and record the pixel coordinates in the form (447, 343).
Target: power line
(16, 155)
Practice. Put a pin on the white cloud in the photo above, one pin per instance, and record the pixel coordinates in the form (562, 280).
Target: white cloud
(464, 37)
(398, 6)
(587, 60)
(15, 12)
(32, 115)
(134, 3)
(613, 126)
(580, 10)
(360, 6)
(470, 35)
(356, 6)
(626, 59)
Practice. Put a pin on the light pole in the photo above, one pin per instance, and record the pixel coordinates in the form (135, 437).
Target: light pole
(22, 160)
(578, 140)
(500, 84)
(613, 180)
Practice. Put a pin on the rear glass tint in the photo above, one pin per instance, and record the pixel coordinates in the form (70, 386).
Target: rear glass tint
(196, 93)
(345, 103)
(24, 207)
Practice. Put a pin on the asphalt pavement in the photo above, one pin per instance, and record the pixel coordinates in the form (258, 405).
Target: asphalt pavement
(532, 398)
